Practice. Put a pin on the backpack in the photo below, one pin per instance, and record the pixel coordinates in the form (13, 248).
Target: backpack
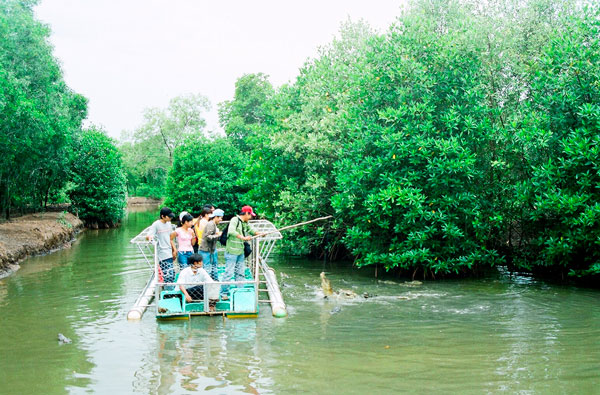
(223, 238)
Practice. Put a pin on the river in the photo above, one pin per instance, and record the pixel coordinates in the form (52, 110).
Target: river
(500, 334)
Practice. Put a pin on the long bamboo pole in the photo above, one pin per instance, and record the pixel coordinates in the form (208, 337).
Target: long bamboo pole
(295, 225)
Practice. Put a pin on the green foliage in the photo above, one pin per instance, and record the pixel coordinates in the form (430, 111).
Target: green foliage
(44, 155)
(463, 137)
(148, 151)
(295, 148)
(146, 165)
(62, 220)
(99, 191)
(240, 116)
(413, 181)
(206, 171)
(39, 114)
(171, 127)
(562, 197)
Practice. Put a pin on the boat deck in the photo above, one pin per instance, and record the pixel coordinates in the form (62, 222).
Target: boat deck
(172, 304)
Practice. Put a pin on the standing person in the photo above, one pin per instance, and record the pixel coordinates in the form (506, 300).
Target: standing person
(208, 244)
(195, 239)
(161, 230)
(201, 222)
(195, 274)
(237, 232)
(184, 235)
(197, 217)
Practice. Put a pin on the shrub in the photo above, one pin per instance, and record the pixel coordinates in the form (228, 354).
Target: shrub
(561, 199)
(98, 192)
(206, 171)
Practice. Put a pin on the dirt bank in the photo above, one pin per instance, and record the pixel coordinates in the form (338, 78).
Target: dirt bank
(34, 234)
(136, 201)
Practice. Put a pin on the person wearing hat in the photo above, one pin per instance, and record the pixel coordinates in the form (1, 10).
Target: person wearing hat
(181, 215)
(208, 244)
(161, 229)
(238, 232)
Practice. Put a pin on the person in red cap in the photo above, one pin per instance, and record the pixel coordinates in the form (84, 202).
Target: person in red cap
(238, 232)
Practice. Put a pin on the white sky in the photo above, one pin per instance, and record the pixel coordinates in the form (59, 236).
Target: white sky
(127, 55)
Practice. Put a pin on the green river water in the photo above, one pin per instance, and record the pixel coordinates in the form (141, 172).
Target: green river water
(496, 335)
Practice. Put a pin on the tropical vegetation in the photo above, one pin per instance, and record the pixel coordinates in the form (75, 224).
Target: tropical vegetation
(464, 136)
(41, 131)
(98, 191)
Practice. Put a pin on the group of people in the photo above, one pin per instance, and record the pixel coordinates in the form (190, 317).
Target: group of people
(194, 245)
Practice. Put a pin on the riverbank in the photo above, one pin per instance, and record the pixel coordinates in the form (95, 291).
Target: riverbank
(143, 201)
(35, 234)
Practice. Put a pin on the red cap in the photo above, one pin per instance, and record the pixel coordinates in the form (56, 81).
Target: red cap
(248, 209)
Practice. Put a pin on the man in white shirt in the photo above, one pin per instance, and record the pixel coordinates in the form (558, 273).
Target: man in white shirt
(195, 274)
(161, 230)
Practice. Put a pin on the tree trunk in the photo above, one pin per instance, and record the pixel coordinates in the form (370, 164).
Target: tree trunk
(7, 200)
(47, 196)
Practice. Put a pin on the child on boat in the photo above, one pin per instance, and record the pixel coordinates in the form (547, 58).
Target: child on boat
(195, 274)
(208, 244)
(161, 230)
(185, 237)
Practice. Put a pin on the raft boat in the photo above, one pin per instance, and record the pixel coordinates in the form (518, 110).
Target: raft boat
(243, 298)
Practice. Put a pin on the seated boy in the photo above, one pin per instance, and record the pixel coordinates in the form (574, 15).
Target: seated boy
(194, 274)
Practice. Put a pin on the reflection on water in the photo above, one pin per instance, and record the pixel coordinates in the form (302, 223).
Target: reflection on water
(498, 334)
(207, 354)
